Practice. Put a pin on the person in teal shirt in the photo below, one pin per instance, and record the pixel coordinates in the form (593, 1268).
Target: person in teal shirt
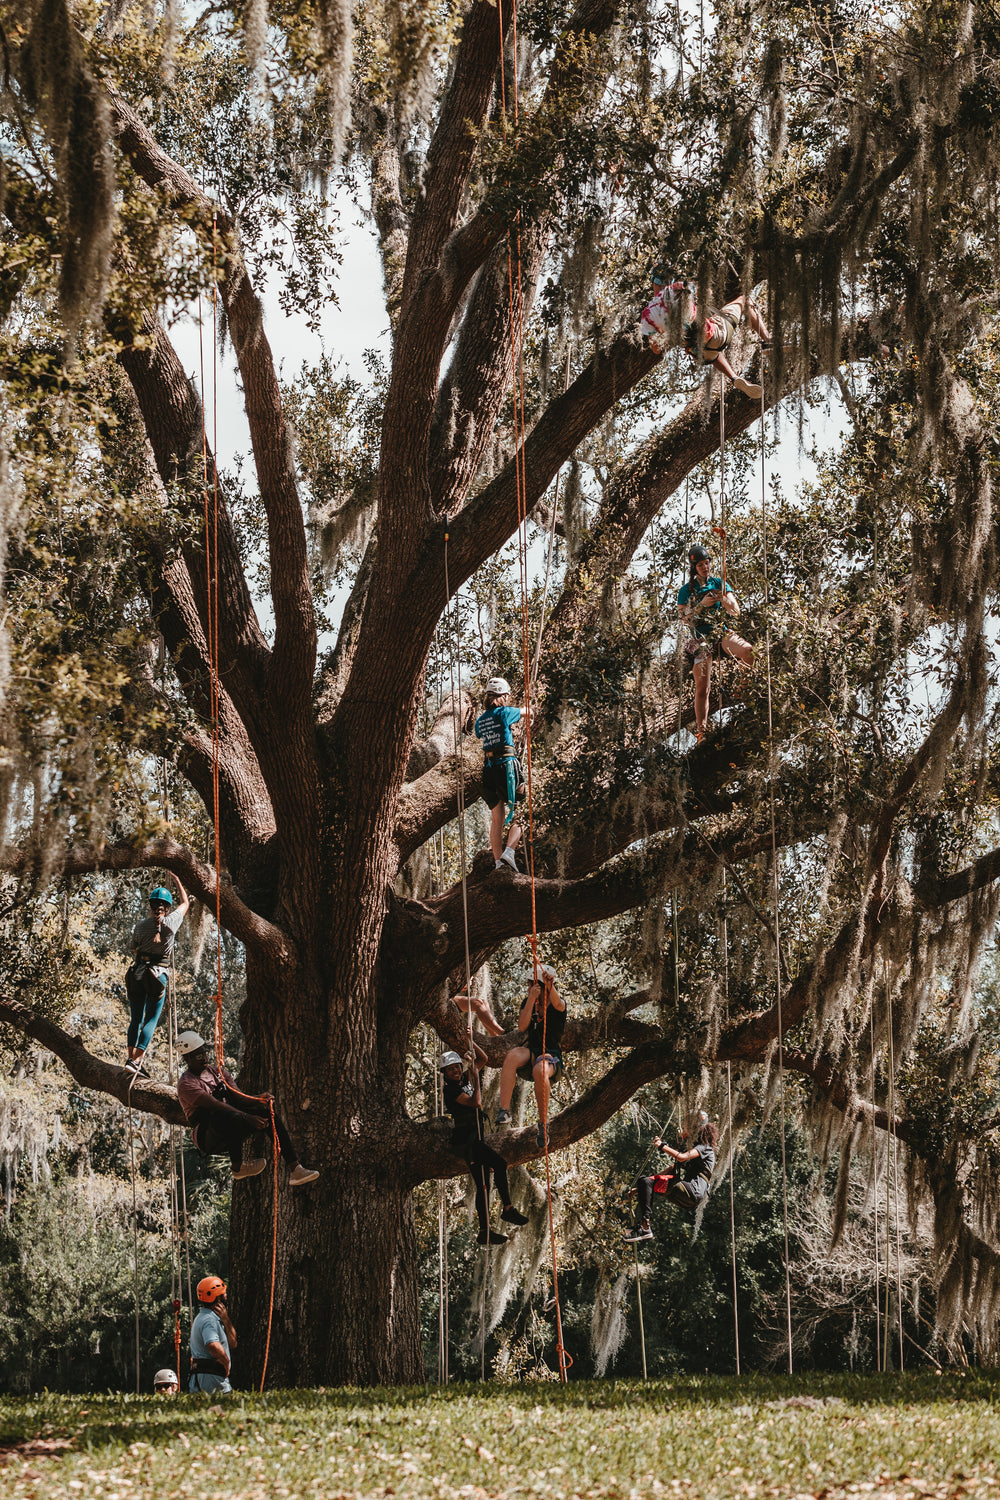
(503, 779)
(706, 605)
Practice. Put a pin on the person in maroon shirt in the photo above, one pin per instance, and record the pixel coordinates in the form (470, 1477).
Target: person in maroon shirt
(222, 1118)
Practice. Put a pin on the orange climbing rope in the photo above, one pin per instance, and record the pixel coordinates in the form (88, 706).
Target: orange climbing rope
(517, 384)
(212, 633)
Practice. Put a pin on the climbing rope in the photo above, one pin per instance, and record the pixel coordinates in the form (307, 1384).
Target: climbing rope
(775, 873)
(211, 518)
(642, 1325)
(878, 1275)
(729, 1113)
(892, 1170)
(455, 665)
(135, 1231)
(517, 379)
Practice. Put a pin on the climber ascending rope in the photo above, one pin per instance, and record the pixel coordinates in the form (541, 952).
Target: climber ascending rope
(671, 316)
(503, 779)
(685, 1187)
(146, 976)
(704, 603)
(541, 1023)
(463, 1100)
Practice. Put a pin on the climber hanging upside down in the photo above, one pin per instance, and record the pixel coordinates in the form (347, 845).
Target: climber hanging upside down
(703, 603)
(672, 311)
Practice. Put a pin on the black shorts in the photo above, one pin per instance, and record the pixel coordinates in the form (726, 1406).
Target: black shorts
(497, 785)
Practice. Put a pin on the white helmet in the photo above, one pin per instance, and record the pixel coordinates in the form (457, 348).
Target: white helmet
(164, 1377)
(498, 686)
(547, 972)
(189, 1041)
(448, 1060)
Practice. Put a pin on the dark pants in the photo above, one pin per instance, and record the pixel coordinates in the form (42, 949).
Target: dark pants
(222, 1135)
(146, 993)
(677, 1192)
(482, 1161)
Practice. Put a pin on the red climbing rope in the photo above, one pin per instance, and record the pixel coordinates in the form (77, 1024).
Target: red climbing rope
(211, 510)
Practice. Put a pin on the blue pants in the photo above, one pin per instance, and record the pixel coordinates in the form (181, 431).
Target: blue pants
(146, 995)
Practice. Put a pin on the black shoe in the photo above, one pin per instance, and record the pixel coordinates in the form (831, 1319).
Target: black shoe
(490, 1237)
(640, 1232)
(511, 1216)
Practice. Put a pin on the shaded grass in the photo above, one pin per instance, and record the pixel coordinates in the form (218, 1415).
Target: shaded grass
(713, 1437)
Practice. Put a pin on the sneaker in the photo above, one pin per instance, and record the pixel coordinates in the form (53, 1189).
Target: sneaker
(490, 1237)
(300, 1175)
(510, 1215)
(498, 865)
(755, 392)
(507, 858)
(135, 1065)
(250, 1168)
(503, 1118)
(640, 1232)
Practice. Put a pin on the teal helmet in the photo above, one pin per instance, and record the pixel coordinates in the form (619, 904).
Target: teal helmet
(160, 893)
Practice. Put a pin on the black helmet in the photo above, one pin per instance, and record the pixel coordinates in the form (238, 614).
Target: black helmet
(697, 555)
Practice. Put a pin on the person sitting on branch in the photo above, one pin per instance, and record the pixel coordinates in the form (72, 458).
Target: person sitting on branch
(703, 604)
(686, 1187)
(541, 1022)
(146, 977)
(503, 779)
(463, 1100)
(672, 310)
(222, 1118)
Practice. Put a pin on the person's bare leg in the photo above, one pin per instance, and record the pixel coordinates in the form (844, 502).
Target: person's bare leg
(516, 1058)
(481, 1010)
(752, 315)
(514, 835)
(541, 1077)
(735, 646)
(702, 686)
(746, 386)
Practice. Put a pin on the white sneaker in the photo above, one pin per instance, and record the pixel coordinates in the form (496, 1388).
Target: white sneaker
(300, 1175)
(507, 858)
(250, 1168)
(753, 391)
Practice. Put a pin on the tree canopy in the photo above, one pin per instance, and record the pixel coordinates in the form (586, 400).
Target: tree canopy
(300, 643)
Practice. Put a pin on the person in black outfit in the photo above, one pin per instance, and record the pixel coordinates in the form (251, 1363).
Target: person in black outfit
(541, 1023)
(686, 1186)
(463, 1100)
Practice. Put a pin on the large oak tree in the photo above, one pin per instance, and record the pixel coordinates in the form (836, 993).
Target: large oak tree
(520, 172)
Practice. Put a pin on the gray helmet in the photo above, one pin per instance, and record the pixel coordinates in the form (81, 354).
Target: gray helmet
(164, 1377)
(448, 1060)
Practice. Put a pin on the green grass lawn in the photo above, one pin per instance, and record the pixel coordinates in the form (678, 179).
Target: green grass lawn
(811, 1436)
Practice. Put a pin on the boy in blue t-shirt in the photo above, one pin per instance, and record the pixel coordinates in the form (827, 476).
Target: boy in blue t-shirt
(503, 779)
(703, 603)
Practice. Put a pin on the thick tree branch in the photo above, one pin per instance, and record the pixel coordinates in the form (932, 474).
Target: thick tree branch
(293, 662)
(200, 878)
(426, 1148)
(93, 1072)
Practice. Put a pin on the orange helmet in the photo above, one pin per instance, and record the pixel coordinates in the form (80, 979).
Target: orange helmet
(210, 1289)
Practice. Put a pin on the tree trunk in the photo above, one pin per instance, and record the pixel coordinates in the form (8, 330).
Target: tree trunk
(346, 1303)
